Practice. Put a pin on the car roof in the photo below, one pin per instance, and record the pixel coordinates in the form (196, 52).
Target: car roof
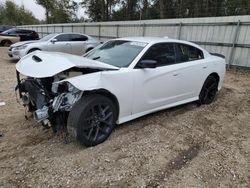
(154, 40)
(145, 39)
(70, 33)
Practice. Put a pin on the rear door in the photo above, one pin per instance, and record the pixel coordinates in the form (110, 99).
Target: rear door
(176, 79)
(193, 69)
(78, 44)
(63, 44)
(24, 35)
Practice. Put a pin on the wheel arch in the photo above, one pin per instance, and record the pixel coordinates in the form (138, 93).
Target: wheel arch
(33, 49)
(109, 95)
(216, 76)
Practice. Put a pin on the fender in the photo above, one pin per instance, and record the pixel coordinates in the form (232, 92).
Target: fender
(108, 80)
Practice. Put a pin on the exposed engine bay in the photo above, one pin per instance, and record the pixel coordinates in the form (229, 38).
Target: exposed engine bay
(50, 99)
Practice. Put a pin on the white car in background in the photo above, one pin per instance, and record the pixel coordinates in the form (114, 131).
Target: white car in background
(119, 81)
(72, 43)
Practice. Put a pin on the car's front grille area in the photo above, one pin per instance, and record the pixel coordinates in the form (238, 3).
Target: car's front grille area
(10, 48)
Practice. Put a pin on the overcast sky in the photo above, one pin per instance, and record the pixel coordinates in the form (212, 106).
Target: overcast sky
(38, 10)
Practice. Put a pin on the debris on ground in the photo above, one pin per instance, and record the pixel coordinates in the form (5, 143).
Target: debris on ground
(2, 103)
(186, 146)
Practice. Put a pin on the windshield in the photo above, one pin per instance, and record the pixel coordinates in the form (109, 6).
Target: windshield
(119, 53)
(9, 31)
(48, 37)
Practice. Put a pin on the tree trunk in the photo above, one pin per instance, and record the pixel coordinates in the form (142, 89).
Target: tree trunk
(162, 9)
(103, 10)
(145, 9)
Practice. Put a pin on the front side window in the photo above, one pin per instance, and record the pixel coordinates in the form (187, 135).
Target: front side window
(63, 38)
(119, 53)
(162, 53)
(48, 37)
(188, 53)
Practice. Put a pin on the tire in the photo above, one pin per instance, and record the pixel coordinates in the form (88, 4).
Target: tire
(6, 43)
(92, 119)
(208, 91)
(32, 50)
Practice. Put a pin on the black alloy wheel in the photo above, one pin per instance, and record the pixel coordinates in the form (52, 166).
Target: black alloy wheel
(92, 119)
(209, 91)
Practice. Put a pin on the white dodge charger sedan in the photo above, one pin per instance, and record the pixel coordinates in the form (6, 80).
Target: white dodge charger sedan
(119, 81)
(72, 43)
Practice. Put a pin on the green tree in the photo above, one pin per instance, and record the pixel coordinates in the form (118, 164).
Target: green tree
(104, 10)
(49, 6)
(11, 14)
(100, 10)
(59, 11)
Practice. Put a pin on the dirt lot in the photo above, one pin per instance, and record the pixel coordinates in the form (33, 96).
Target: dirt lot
(187, 146)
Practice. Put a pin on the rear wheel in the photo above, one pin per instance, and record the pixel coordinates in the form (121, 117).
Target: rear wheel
(92, 119)
(208, 91)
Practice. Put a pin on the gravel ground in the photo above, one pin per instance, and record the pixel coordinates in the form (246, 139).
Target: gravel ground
(187, 146)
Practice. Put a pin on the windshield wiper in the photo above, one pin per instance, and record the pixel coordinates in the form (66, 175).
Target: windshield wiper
(95, 58)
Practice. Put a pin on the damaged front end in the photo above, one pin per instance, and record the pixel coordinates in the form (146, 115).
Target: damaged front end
(53, 82)
(48, 99)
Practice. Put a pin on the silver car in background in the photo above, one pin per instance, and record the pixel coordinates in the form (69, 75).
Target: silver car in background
(72, 43)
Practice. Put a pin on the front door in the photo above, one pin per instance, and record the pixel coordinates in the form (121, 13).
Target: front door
(62, 44)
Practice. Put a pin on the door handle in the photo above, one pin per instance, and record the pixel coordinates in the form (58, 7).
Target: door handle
(176, 74)
(204, 67)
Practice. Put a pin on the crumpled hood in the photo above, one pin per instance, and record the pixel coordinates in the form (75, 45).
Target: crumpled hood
(41, 64)
(23, 43)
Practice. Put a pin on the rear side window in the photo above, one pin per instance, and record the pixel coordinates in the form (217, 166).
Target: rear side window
(188, 53)
(24, 31)
(63, 37)
(163, 53)
(76, 37)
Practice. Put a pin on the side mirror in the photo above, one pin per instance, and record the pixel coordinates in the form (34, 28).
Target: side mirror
(53, 40)
(147, 63)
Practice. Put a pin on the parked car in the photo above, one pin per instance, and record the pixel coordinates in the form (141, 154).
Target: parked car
(72, 43)
(5, 27)
(119, 81)
(14, 35)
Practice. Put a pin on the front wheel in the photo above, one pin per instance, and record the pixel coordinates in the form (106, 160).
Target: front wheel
(6, 43)
(208, 91)
(92, 119)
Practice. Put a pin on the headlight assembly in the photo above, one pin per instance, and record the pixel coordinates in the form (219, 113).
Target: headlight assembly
(64, 87)
(21, 47)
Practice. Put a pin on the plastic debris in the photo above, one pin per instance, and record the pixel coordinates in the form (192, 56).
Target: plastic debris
(2, 103)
